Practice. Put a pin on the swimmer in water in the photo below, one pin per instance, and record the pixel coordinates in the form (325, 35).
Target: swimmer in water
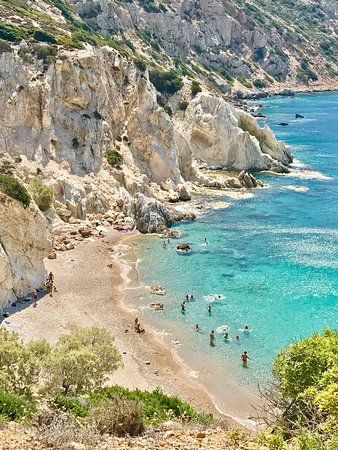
(212, 337)
(206, 241)
(245, 358)
(237, 337)
(246, 328)
(226, 336)
(209, 309)
(197, 328)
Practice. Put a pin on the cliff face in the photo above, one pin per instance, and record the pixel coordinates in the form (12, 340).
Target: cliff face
(24, 242)
(294, 43)
(61, 122)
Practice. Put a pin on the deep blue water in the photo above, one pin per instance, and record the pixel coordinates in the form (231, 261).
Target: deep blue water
(273, 256)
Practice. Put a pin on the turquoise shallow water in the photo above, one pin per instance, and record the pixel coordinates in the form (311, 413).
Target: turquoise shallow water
(273, 256)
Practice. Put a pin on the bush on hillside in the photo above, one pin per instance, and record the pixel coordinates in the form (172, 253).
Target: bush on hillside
(259, 84)
(183, 105)
(43, 36)
(114, 158)
(46, 53)
(166, 82)
(307, 389)
(118, 417)
(11, 187)
(195, 87)
(140, 64)
(42, 195)
(81, 361)
(5, 47)
(14, 407)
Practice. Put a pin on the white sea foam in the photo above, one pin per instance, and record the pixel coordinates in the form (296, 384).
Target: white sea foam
(308, 175)
(214, 297)
(296, 188)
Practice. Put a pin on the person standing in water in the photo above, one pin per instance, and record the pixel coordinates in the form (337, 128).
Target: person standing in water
(197, 328)
(245, 358)
(183, 307)
(209, 310)
(212, 337)
(206, 241)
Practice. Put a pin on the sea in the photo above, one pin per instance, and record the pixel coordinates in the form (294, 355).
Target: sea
(271, 262)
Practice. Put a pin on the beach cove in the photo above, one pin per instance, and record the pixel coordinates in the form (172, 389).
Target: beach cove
(271, 256)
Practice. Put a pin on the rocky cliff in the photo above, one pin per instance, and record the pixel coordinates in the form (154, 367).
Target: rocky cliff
(250, 44)
(24, 242)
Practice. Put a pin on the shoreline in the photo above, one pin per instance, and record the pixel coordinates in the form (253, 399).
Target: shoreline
(93, 282)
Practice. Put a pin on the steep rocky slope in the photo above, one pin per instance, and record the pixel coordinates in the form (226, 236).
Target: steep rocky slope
(251, 44)
(24, 242)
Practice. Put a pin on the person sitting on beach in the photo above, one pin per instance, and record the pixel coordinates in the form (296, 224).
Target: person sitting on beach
(139, 329)
(135, 322)
(245, 358)
(197, 328)
(212, 336)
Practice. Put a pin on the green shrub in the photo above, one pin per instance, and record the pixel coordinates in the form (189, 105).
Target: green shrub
(5, 47)
(42, 195)
(75, 143)
(307, 374)
(183, 105)
(74, 405)
(114, 158)
(168, 110)
(140, 64)
(47, 53)
(13, 406)
(156, 406)
(195, 87)
(245, 82)
(11, 187)
(81, 361)
(259, 84)
(10, 33)
(118, 417)
(43, 36)
(168, 82)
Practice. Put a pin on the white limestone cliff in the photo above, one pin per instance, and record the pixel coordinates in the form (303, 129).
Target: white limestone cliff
(24, 242)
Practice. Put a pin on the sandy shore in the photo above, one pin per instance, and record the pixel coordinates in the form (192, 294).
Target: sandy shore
(94, 282)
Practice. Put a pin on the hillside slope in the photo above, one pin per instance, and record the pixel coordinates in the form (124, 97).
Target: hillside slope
(251, 44)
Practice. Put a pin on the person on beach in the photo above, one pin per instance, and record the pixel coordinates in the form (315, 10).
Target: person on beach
(197, 328)
(245, 358)
(50, 277)
(209, 310)
(35, 298)
(135, 322)
(139, 329)
(183, 307)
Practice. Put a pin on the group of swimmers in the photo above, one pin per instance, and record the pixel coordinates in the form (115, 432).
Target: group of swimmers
(212, 336)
